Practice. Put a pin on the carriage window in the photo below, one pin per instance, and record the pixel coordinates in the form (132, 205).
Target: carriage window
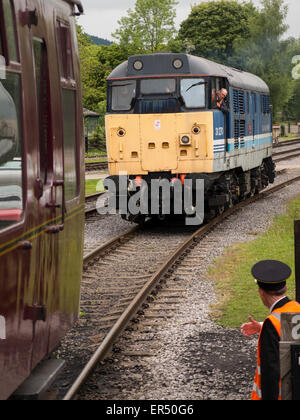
(158, 86)
(65, 50)
(69, 124)
(10, 30)
(43, 100)
(11, 191)
(193, 92)
(123, 92)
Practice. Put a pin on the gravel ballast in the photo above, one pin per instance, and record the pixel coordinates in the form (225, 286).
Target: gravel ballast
(188, 356)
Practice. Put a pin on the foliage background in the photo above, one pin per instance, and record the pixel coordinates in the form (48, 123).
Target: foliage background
(233, 32)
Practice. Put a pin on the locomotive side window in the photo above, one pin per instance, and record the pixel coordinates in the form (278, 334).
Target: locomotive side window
(193, 92)
(43, 100)
(158, 86)
(123, 94)
(10, 30)
(11, 190)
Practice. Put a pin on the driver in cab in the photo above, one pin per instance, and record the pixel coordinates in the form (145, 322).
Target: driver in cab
(219, 100)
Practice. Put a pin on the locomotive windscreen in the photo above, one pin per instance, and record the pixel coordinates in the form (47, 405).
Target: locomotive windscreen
(123, 92)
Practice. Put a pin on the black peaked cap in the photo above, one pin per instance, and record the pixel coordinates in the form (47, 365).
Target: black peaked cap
(271, 275)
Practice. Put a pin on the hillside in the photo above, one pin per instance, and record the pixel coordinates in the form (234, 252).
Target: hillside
(99, 41)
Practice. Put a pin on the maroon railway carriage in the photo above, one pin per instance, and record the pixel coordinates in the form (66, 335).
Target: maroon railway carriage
(41, 182)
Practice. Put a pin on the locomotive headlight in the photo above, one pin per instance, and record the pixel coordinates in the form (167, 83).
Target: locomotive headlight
(121, 132)
(196, 129)
(138, 65)
(185, 140)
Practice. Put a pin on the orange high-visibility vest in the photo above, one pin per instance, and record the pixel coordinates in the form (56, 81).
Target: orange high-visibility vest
(275, 318)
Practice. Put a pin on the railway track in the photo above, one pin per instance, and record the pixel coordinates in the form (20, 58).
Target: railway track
(146, 272)
(95, 166)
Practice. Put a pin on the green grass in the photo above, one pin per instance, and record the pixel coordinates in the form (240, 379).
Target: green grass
(289, 137)
(236, 290)
(91, 186)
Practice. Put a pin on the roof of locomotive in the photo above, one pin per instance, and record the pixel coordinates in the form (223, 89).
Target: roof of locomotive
(162, 64)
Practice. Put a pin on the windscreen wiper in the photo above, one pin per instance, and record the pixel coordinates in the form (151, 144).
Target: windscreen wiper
(196, 84)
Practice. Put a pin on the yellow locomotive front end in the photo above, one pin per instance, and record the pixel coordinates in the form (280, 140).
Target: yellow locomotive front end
(179, 143)
(159, 126)
(182, 130)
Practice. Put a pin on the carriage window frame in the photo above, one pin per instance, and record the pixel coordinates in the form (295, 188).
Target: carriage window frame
(43, 98)
(12, 224)
(9, 39)
(68, 83)
(66, 61)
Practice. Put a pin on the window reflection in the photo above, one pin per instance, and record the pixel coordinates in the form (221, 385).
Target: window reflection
(123, 94)
(11, 195)
(193, 92)
(10, 30)
(69, 121)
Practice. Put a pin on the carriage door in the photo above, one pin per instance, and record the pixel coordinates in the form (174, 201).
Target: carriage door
(48, 188)
(17, 248)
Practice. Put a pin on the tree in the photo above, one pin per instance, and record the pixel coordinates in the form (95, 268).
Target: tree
(148, 26)
(265, 54)
(213, 27)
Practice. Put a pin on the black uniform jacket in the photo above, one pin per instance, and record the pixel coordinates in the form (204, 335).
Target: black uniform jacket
(270, 357)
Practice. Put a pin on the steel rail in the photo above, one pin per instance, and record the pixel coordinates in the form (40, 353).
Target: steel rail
(132, 309)
(108, 245)
(286, 151)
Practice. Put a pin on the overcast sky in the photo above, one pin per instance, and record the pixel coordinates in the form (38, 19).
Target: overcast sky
(101, 16)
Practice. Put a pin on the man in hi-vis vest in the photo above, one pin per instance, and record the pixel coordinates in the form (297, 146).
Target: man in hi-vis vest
(271, 277)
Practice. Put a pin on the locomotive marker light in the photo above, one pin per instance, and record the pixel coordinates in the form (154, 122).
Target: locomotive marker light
(138, 65)
(185, 140)
(177, 64)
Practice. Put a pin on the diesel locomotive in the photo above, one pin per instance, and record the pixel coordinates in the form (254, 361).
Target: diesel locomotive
(41, 182)
(161, 123)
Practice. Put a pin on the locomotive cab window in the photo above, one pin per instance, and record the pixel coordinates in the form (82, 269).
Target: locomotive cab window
(123, 93)
(11, 180)
(193, 92)
(158, 86)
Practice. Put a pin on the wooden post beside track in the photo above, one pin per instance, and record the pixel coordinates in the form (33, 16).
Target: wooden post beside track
(297, 258)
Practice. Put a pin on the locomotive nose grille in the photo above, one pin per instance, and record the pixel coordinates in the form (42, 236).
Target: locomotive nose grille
(158, 106)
